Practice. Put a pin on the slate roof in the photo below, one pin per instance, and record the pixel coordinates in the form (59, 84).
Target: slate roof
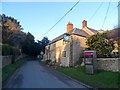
(79, 32)
(75, 31)
(93, 30)
(57, 38)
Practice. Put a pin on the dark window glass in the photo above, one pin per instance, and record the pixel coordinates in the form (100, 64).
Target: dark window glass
(64, 54)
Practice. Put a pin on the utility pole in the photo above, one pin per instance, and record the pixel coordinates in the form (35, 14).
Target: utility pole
(119, 14)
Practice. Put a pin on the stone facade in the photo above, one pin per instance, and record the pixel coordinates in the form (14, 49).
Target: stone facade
(55, 52)
(79, 44)
(108, 64)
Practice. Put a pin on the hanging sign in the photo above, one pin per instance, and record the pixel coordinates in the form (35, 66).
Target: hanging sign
(66, 37)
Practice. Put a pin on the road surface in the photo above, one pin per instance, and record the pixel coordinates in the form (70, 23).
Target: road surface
(32, 74)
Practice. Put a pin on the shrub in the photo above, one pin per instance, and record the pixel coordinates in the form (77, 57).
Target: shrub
(48, 61)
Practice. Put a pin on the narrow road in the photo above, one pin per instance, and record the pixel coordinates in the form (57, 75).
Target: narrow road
(35, 75)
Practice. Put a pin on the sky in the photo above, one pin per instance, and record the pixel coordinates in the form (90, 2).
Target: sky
(38, 17)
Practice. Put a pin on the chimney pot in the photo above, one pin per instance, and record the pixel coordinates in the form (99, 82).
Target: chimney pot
(69, 26)
(84, 24)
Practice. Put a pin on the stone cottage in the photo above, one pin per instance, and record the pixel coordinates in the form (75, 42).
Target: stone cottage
(68, 47)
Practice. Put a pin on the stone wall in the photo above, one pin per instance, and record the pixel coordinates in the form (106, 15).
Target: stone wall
(109, 64)
(6, 60)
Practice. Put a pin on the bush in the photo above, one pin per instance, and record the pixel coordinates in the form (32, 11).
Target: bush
(48, 61)
(7, 50)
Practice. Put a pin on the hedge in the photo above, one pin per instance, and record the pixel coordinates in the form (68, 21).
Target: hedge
(7, 49)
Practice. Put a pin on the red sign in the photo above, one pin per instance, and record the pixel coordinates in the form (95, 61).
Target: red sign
(88, 53)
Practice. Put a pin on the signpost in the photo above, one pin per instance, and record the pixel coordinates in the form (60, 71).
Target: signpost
(89, 59)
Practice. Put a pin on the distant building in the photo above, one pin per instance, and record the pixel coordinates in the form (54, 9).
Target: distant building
(68, 47)
(119, 14)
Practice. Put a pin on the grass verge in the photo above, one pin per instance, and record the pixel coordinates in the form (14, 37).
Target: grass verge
(102, 79)
(8, 70)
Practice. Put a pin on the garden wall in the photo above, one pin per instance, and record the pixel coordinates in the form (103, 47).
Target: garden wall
(109, 64)
(8, 59)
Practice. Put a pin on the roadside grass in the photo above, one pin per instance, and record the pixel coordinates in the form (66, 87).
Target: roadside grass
(101, 79)
(8, 70)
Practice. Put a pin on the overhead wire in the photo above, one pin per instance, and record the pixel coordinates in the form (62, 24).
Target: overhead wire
(61, 18)
(95, 12)
(113, 10)
(106, 14)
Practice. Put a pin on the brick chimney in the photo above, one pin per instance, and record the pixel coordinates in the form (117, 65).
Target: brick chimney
(69, 26)
(84, 24)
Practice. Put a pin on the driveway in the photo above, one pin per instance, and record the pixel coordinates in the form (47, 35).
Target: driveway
(32, 74)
